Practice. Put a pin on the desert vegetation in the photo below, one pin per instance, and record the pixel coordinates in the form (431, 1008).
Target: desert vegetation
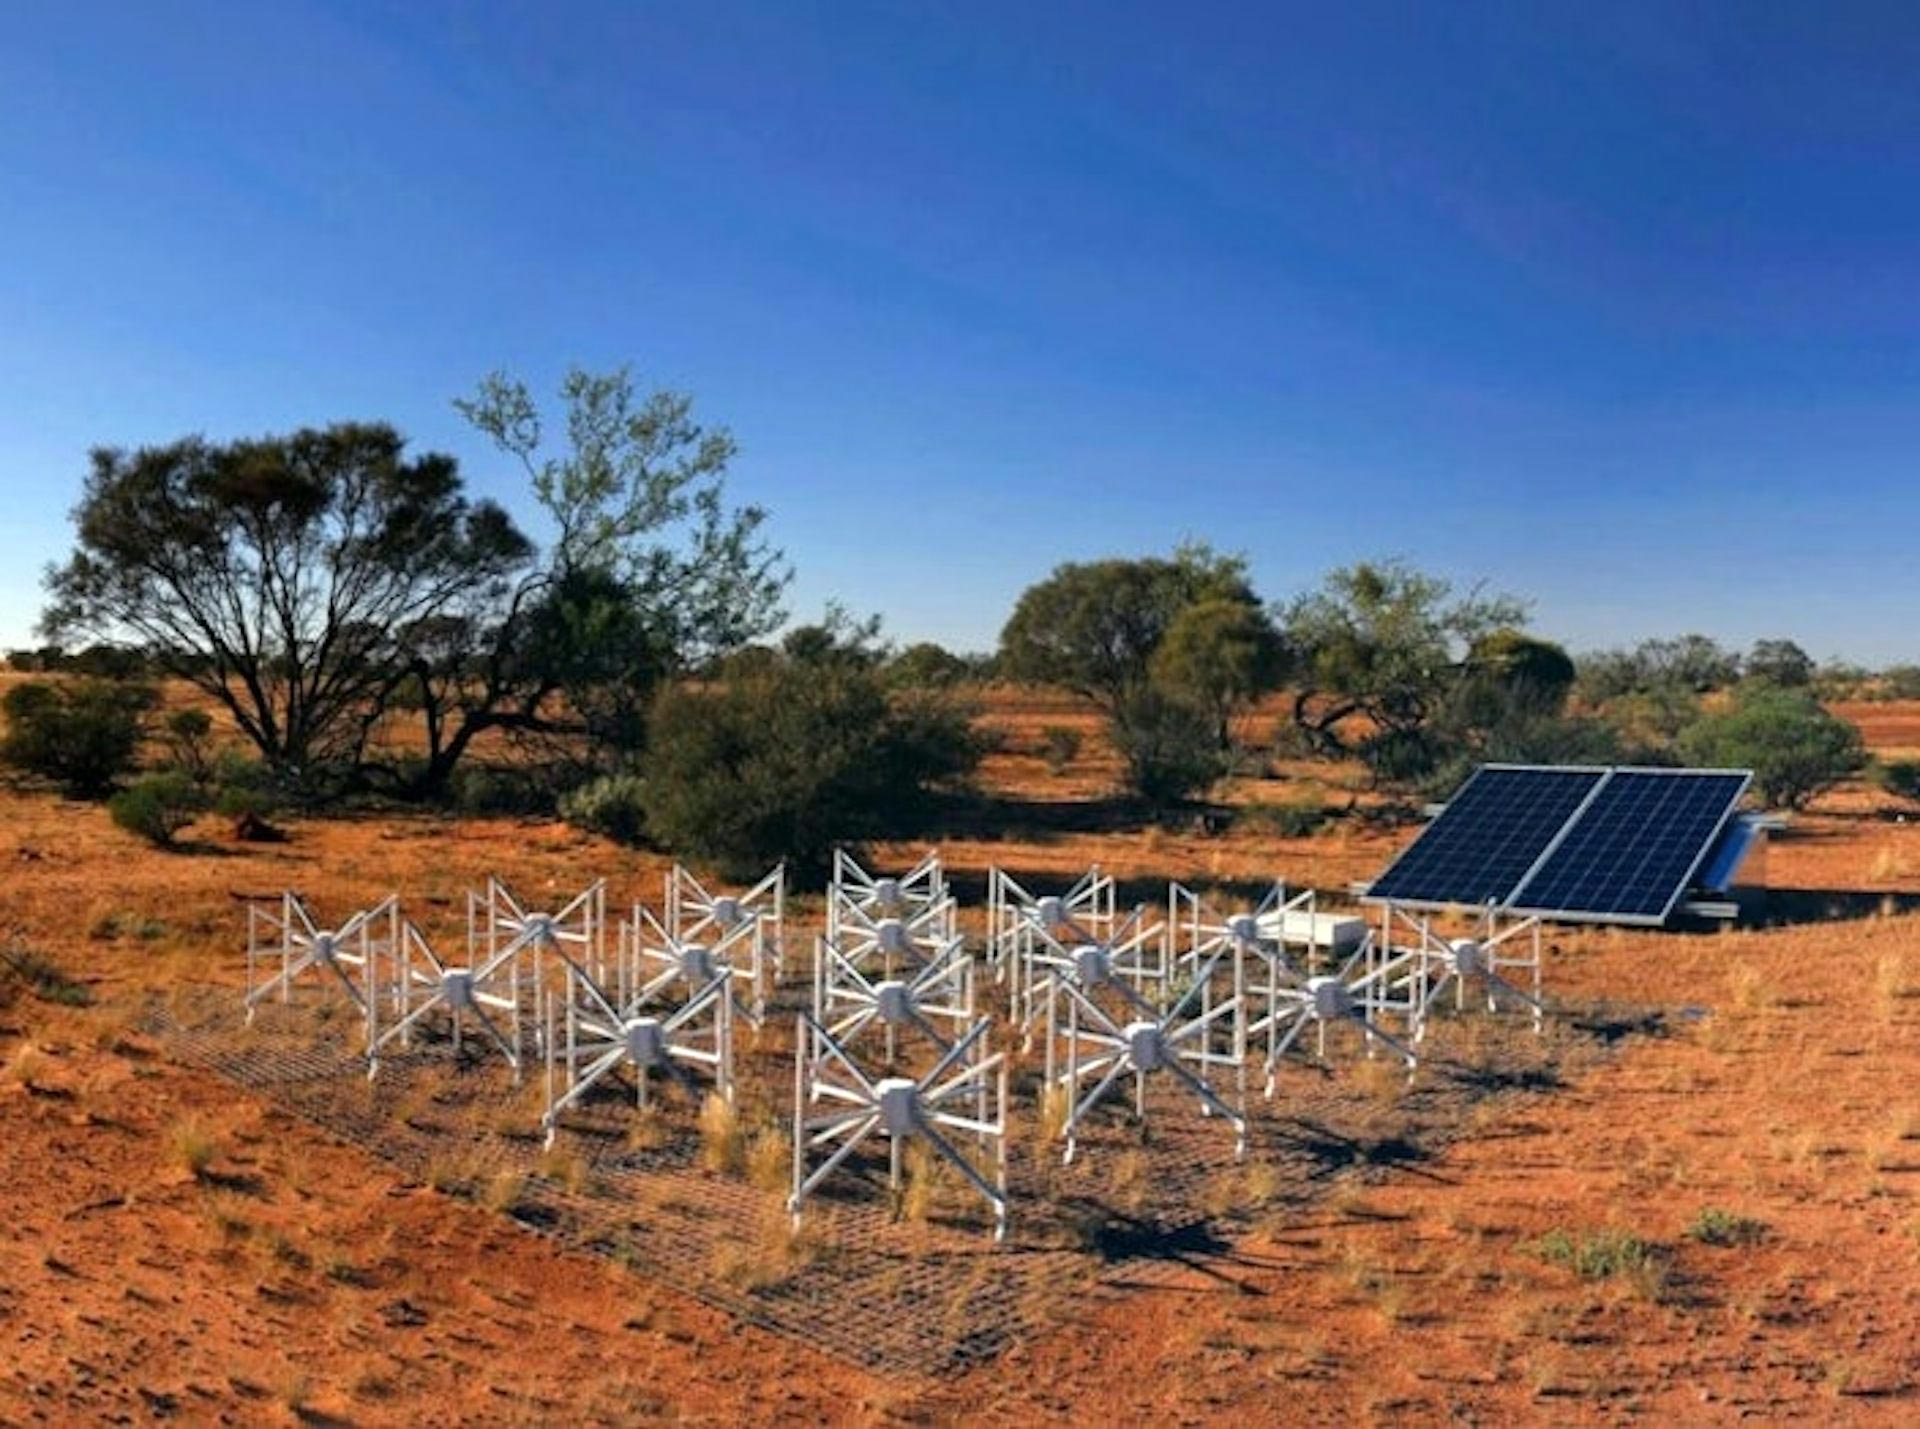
(353, 629)
(391, 677)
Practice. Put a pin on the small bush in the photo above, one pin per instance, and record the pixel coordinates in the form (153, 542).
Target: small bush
(188, 738)
(481, 791)
(234, 770)
(41, 977)
(1714, 1226)
(1899, 777)
(613, 805)
(158, 807)
(1172, 748)
(1608, 1255)
(793, 756)
(1400, 758)
(1059, 746)
(233, 801)
(245, 790)
(82, 734)
(769, 1161)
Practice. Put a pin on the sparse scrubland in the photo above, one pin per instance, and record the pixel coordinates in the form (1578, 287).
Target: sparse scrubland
(1725, 1220)
(1721, 1220)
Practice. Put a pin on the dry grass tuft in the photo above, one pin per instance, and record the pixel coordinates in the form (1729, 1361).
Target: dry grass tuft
(777, 1251)
(1055, 1104)
(1245, 1189)
(564, 1166)
(503, 1190)
(1890, 864)
(1890, 982)
(1380, 1079)
(1749, 987)
(647, 1130)
(722, 1138)
(769, 1161)
(26, 1063)
(1129, 1179)
(192, 1146)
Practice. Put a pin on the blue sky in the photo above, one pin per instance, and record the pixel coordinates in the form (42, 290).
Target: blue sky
(1616, 307)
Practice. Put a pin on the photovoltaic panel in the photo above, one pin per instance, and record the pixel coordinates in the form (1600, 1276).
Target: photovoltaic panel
(1484, 842)
(1632, 851)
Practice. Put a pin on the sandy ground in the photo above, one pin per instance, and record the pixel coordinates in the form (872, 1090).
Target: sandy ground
(170, 1247)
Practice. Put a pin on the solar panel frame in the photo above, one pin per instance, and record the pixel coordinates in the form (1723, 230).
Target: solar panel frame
(1687, 849)
(1523, 848)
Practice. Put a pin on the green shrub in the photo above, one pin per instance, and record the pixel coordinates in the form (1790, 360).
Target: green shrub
(238, 801)
(1608, 1255)
(1171, 748)
(1510, 669)
(1059, 746)
(1795, 748)
(1714, 1226)
(926, 666)
(1780, 662)
(1651, 719)
(1899, 777)
(785, 759)
(82, 734)
(245, 788)
(482, 791)
(613, 805)
(188, 737)
(158, 807)
(42, 977)
(1402, 758)
(233, 769)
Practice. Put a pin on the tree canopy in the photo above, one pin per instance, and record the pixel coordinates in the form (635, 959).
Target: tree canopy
(1168, 647)
(1095, 626)
(1795, 748)
(280, 574)
(1780, 662)
(315, 583)
(1387, 642)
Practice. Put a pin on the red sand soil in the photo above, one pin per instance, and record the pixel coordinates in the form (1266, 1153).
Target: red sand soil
(293, 1279)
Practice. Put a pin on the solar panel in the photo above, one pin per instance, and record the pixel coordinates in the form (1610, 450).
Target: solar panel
(1633, 849)
(1500, 824)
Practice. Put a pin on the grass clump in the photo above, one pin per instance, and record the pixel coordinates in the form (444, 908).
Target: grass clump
(769, 1161)
(1608, 1255)
(26, 1063)
(502, 1191)
(647, 1130)
(566, 1168)
(192, 1146)
(1717, 1227)
(42, 978)
(722, 1139)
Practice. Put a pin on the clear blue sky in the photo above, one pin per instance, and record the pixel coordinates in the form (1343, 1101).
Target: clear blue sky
(1617, 306)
